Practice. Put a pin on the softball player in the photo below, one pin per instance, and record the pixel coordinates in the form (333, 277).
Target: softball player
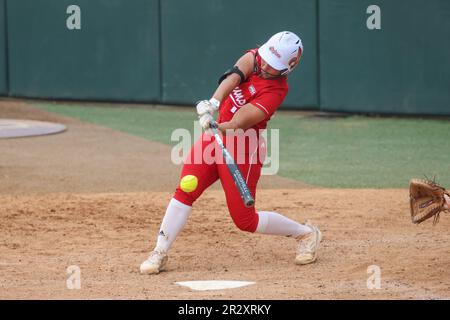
(246, 98)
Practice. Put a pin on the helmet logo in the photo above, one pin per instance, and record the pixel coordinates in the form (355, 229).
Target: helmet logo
(275, 52)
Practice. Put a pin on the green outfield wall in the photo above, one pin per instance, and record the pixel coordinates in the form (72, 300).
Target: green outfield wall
(384, 56)
(204, 38)
(403, 67)
(3, 48)
(106, 50)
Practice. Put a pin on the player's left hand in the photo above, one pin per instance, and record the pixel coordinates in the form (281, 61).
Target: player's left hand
(206, 120)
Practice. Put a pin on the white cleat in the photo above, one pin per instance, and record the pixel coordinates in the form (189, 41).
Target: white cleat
(308, 245)
(155, 263)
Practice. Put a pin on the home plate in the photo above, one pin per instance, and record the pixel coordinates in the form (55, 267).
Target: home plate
(213, 284)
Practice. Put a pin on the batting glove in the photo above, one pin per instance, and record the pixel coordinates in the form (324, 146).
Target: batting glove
(206, 120)
(207, 106)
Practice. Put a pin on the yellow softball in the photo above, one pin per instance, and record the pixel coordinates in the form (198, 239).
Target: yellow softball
(189, 183)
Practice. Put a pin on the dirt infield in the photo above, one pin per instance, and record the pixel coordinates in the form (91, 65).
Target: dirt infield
(94, 197)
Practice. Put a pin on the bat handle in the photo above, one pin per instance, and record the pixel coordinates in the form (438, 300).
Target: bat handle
(247, 197)
(213, 125)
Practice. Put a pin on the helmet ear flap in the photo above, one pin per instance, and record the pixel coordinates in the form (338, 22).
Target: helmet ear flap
(292, 63)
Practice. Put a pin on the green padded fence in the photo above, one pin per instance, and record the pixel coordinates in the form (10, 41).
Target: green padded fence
(113, 56)
(404, 67)
(203, 38)
(356, 59)
(3, 49)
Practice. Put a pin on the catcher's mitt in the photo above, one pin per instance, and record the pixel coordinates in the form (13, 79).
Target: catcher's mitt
(426, 200)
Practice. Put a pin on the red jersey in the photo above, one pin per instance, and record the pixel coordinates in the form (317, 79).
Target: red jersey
(265, 94)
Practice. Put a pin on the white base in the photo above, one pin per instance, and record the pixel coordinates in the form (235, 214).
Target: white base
(213, 284)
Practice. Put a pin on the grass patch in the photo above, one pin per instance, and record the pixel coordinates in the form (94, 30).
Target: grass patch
(353, 152)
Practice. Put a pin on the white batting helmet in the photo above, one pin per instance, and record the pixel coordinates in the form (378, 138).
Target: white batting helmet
(282, 52)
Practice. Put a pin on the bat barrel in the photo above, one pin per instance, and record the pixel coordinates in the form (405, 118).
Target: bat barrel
(238, 179)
